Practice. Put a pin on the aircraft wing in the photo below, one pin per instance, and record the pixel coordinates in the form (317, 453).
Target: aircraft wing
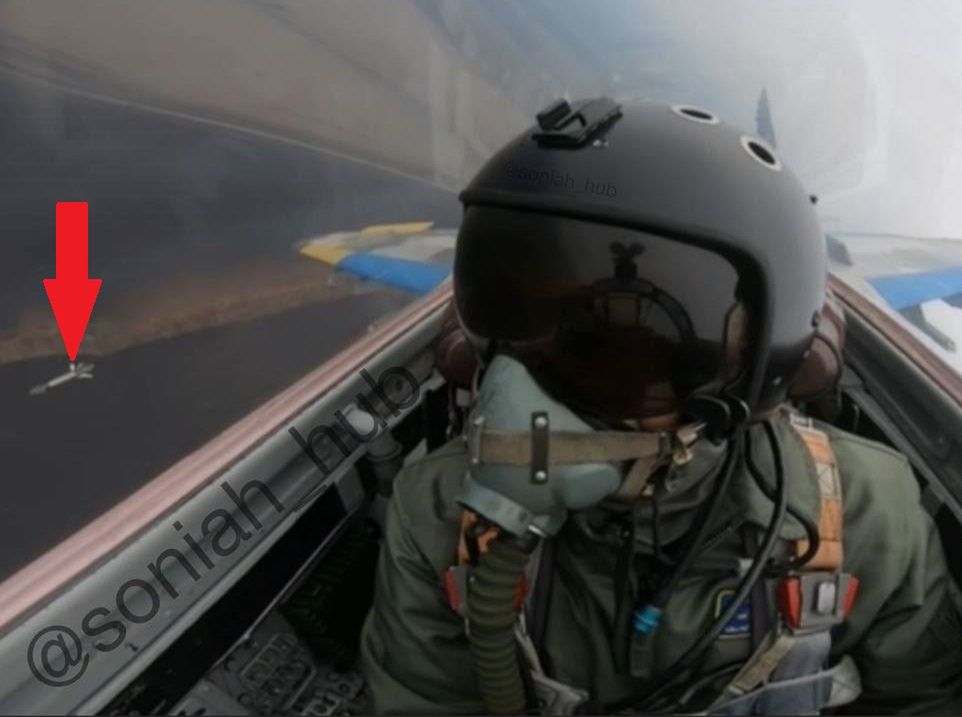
(412, 256)
(905, 290)
(917, 279)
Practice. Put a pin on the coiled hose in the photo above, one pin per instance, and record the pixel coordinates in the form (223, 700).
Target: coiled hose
(491, 616)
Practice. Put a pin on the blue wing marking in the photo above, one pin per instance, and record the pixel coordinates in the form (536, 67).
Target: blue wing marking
(902, 291)
(407, 274)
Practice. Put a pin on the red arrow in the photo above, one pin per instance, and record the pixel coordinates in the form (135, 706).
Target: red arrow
(72, 294)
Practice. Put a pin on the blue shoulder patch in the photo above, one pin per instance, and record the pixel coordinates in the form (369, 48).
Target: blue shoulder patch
(741, 622)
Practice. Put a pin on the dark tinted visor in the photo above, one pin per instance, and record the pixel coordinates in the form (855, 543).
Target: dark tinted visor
(614, 321)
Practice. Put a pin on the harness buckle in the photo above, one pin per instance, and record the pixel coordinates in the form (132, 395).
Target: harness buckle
(816, 600)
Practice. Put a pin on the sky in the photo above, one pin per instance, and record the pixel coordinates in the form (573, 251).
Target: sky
(865, 98)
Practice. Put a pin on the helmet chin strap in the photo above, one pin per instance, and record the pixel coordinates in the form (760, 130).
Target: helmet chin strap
(637, 480)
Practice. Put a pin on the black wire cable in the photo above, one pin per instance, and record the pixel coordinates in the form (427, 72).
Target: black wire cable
(649, 615)
(706, 520)
(811, 530)
(622, 617)
(655, 524)
(748, 582)
(680, 668)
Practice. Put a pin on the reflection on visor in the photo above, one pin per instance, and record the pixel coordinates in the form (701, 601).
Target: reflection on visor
(620, 352)
(622, 309)
(616, 322)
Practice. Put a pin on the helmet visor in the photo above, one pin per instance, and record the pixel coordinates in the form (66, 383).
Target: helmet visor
(620, 323)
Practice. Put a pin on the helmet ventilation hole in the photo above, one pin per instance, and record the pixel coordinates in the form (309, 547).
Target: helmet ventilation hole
(761, 152)
(695, 114)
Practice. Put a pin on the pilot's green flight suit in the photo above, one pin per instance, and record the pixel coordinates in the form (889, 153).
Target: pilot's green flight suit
(903, 632)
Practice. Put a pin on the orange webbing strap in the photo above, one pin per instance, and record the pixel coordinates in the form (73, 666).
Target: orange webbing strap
(456, 576)
(829, 555)
(468, 522)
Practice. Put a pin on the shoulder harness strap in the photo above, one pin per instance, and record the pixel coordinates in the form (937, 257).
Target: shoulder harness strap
(829, 555)
(787, 674)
